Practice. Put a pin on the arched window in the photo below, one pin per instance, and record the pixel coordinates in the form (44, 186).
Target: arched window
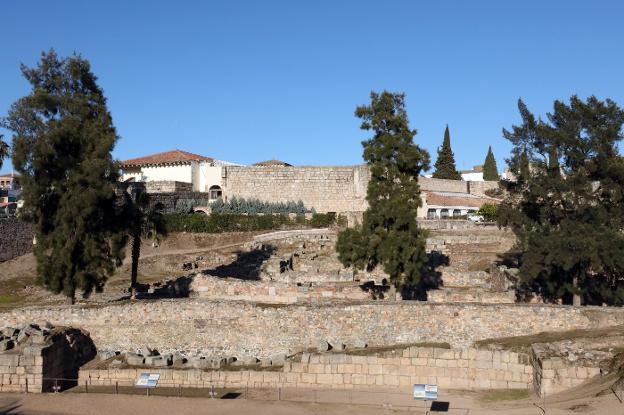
(431, 214)
(444, 213)
(456, 213)
(215, 192)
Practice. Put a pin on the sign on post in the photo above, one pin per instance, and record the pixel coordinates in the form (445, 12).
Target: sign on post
(425, 392)
(147, 380)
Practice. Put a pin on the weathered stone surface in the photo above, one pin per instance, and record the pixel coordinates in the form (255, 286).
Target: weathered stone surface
(6, 344)
(134, 359)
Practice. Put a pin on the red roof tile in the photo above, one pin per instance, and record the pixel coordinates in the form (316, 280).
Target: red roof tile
(168, 157)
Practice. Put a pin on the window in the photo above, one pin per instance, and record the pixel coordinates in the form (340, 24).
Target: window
(431, 214)
(215, 192)
(456, 213)
(444, 213)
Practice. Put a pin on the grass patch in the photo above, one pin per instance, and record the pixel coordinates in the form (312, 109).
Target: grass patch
(498, 395)
(9, 300)
(523, 343)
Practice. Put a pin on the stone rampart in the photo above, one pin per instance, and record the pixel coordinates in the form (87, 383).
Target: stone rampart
(449, 369)
(245, 329)
(326, 189)
(443, 185)
(16, 238)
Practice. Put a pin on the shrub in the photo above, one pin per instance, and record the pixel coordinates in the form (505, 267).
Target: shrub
(489, 211)
(256, 206)
(218, 222)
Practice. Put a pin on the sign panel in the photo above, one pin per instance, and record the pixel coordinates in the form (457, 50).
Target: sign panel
(425, 392)
(147, 380)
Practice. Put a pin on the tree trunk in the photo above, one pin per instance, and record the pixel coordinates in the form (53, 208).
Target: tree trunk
(136, 253)
(70, 300)
(576, 298)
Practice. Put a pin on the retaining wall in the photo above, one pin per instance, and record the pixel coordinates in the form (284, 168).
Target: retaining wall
(449, 369)
(244, 329)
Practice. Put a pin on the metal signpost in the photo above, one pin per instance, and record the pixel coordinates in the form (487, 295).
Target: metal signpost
(147, 381)
(424, 392)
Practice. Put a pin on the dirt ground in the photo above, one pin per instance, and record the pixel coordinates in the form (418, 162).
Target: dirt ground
(458, 403)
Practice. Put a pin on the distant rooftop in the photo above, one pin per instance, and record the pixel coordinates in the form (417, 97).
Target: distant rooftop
(167, 157)
(272, 163)
(9, 175)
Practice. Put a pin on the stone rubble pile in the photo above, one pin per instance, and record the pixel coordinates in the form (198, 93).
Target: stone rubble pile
(11, 337)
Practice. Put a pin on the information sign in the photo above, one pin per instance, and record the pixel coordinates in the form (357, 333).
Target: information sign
(425, 392)
(147, 380)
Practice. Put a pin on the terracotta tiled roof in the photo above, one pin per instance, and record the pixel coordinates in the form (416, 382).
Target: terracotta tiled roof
(168, 157)
(445, 199)
(267, 163)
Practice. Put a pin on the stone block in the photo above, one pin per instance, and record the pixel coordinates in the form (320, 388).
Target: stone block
(324, 378)
(425, 352)
(443, 353)
(6, 344)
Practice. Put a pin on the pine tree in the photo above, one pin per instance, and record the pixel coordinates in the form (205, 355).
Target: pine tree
(490, 170)
(566, 206)
(445, 163)
(389, 235)
(4, 150)
(63, 136)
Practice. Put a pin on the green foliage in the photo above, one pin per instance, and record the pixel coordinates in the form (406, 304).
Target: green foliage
(217, 222)
(566, 207)
(490, 170)
(63, 136)
(255, 206)
(187, 205)
(489, 211)
(445, 163)
(4, 150)
(389, 235)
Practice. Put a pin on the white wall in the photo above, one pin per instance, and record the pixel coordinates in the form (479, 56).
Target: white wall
(472, 177)
(207, 176)
(178, 173)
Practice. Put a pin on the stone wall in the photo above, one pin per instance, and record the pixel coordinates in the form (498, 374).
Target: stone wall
(479, 188)
(167, 187)
(16, 238)
(246, 329)
(217, 288)
(443, 185)
(449, 369)
(326, 189)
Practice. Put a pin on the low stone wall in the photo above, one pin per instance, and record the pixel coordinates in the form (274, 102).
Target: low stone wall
(22, 372)
(217, 288)
(474, 295)
(246, 329)
(16, 238)
(449, 369)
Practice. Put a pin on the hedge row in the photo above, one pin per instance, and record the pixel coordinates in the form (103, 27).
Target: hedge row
(216, 223)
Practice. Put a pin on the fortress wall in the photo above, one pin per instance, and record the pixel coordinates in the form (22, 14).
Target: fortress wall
(247, 329)
(479, 188)
(326, 189)
(443, 185)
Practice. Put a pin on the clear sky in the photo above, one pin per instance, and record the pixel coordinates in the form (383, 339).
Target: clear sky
(246, 81)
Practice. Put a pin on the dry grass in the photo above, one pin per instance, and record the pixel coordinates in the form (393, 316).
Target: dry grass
(522, 343)
(497, 395)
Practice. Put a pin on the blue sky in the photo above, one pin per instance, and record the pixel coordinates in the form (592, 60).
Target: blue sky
(246, 81)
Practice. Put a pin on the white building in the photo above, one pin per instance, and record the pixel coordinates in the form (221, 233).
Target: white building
(203, 173)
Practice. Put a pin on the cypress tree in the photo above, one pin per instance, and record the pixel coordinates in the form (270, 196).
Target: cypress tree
(490, 170)
(389, 235)
(63, 136)
(445, 163)
(566, 206)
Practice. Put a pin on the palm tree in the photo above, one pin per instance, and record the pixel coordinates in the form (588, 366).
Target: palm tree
(144, 221)
(4, 150)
